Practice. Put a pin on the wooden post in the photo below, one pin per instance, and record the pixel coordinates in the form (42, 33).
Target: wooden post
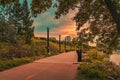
(59, 43)
(48, 46)
(65, 45)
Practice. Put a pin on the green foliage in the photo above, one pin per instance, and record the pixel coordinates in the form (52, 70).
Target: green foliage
(91, 11)
(27, 29)
(15, 55)
(7, 31)
(95, 67)
(22, 50)
(101, 15)
(94, 54)
(40, 6)
(92, 71)
(4, 49)
(118, 48)
(15, 12)
(84, 38)
(6, 64)
(16, 22)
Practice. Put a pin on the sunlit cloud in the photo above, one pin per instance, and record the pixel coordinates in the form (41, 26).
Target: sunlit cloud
(65, 30)
(64, 26)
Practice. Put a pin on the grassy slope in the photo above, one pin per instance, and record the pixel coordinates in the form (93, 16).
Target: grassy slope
(11, 56)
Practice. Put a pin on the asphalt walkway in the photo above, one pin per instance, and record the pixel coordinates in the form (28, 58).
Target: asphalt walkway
(59, 67)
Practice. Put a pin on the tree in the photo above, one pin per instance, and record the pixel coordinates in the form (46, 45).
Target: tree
(7, 30)
(15, 12)
(40, 6)
(93, 11)
(5, 2)
(102, 15)
(68, 39)
(21, 17)
(75, 42)
(27, 29)
(87, 9)
(37, 6)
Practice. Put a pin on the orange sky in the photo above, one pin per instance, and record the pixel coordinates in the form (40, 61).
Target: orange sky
(66, 26)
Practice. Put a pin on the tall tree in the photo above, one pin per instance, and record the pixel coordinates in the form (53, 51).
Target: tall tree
(91, 10)
(102, 15)
(27, 29)
(15, 13)
(7, 30)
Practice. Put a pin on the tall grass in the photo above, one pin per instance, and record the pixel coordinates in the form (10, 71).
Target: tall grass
(95, 67)
(14, 55)
(9, 63)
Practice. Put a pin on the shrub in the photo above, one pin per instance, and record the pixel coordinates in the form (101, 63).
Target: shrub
(98, 71)
(91, 71)
(4, 49)
(22, 51)
(94, 54)
(96, 68)
(6, 64)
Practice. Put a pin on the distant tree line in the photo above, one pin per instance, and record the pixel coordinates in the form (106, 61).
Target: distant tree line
(52, 39)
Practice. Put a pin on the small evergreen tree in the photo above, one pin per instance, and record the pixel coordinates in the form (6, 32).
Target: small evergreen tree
(7, 31)
(20, 15)
(27, 23)
(15, 16)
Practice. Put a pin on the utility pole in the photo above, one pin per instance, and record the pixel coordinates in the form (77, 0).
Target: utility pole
(48, 46)
(59, 43)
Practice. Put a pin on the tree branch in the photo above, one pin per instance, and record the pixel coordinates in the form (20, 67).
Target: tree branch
(113, 11)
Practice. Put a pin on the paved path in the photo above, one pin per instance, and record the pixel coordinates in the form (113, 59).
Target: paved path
(59, 67)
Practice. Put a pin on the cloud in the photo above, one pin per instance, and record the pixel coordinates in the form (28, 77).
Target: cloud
(68, 29)
(64, 26)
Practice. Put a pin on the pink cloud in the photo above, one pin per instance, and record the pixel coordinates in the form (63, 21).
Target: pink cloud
(65, 30)
(67, 27)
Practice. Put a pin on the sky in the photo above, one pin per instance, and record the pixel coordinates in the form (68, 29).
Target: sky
(64, 26)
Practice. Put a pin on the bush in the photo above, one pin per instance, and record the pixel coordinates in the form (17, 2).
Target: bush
(8, 51)
(94, 54)
(6, 64)
(98, 71)
(13, 55)
(4, 49)
(96, 68)
(91, 71)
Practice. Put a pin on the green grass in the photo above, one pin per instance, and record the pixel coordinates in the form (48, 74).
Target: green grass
(6, 64)
(15, 55)
(95, 67)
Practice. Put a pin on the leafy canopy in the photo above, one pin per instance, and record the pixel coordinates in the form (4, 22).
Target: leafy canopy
(102, 15)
